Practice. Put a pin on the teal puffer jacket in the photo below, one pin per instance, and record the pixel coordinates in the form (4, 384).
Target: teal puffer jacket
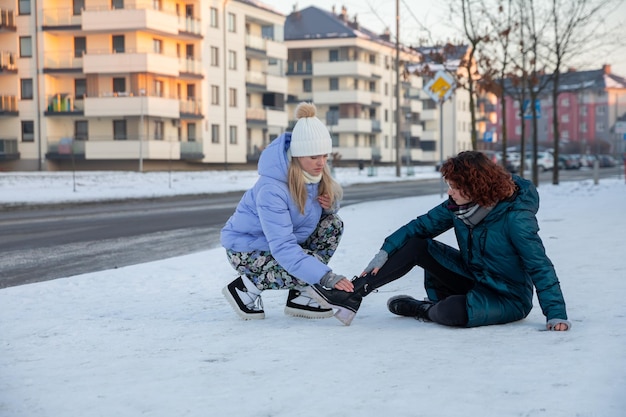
(503, 254)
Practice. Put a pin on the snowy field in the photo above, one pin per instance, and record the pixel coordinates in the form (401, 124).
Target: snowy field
(159, 340)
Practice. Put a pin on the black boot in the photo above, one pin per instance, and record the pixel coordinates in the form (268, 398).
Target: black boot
(346, 303)
(405, 305)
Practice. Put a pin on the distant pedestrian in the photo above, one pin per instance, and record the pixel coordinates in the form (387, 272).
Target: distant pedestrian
(490, 278)
(285, 229)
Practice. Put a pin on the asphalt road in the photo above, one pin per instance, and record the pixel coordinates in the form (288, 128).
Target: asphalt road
(48, 242)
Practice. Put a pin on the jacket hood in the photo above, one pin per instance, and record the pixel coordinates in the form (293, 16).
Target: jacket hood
(273, 161)
(527, 197)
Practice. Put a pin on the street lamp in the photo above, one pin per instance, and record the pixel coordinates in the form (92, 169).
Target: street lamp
(142, 93)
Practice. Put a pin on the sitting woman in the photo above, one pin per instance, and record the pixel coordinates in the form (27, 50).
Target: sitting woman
(286, 228)
(490, 279)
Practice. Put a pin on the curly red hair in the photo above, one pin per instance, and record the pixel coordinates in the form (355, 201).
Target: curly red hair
(478, 178)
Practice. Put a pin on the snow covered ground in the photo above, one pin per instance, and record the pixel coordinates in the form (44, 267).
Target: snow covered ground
(158, 339)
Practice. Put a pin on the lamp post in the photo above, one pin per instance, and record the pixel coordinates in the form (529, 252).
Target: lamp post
(142, 93)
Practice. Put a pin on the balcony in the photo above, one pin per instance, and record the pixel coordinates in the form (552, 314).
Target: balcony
(8, 106)
(353, 125)
(299, 68)
(63, 104)
(9, 150)
(190, 68)
(7, 21)
(111, 62)
(110, 104)
(191, 108)
(60, 18)
(331, 97)
(140, 16)
(106, 148)
(354, 69)
(7, 63)
(191, 151)
(57, 63)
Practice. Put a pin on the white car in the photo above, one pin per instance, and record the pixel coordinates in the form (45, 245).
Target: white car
(545, 161)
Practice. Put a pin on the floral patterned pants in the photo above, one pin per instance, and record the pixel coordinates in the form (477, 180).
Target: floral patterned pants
(267, 274)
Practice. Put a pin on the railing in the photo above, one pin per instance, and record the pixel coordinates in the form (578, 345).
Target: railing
(191, 149)
(253, 113)
(61, 17)
(8, 104)
(256, 42)
(8, 146)
(7, 61)
(256, 77)
(190, 25)
(7, 19)
(190, 65)
(300, 67)
(191, 106)
(62, 60)
(63, 102)
(66, 146)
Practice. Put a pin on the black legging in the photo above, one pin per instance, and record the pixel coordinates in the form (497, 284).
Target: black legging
(451, 288)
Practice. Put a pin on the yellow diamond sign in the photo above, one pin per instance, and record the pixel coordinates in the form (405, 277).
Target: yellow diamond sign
(441, 87)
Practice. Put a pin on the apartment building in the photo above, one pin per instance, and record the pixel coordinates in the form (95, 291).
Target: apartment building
(590, 103)
(246, 80)
(137, 84)
(349, 73)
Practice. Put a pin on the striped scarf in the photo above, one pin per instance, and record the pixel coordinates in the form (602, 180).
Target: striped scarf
(471, 214)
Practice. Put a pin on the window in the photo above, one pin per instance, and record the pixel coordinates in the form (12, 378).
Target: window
(356, 83)
(386, 89)
(600, 110)
(215, 95)
(599, 126)
(80, 88)
(565, 102)
(215, 56)
(232, 60)
(78, 6)
(158, 88)
(23, 7)
(191, 132)
(119, 85)
(232, 97)
(158, 130)
(333, 55)
(372, 59)
(26, 85)
(583, 127)
(334, 83)
(119, 130)
(232, 135)
(157, 46)
(156, 4)
(81, 130)
(267, 32)
(564, 118)
(373, 86)
(28, 131)
(118, 43)
(214, 22)
(80, 46)
(232, 23)
(518, 130)
(583, 110)
(26, 47)
(117, 4)
(307, 85)
(215, 133)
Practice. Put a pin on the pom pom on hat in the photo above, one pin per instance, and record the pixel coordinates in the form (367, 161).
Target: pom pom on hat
(309, 136)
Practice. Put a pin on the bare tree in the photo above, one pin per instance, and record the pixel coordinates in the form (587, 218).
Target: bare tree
(576, 25)
(495, 60)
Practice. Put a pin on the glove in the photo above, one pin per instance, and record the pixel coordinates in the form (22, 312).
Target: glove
(378, 261)
(553, 322)
(330, 280)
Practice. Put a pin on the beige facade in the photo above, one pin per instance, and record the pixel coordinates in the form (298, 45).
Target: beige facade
(352, 82)
(127, 84)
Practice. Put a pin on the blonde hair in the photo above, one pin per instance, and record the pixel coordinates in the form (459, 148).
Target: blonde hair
(297, 186)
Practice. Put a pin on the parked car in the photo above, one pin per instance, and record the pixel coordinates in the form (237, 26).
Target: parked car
(545, 161)
(496, 156)
(569, 162)
(606, 161)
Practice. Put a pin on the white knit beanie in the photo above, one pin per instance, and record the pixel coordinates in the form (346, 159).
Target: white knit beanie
(309, 136)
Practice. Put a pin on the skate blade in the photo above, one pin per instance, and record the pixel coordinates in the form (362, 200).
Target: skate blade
(344, 315)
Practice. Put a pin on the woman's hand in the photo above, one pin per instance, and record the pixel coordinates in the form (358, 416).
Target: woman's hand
(324, 201)
(558, 325)
(345, 285)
